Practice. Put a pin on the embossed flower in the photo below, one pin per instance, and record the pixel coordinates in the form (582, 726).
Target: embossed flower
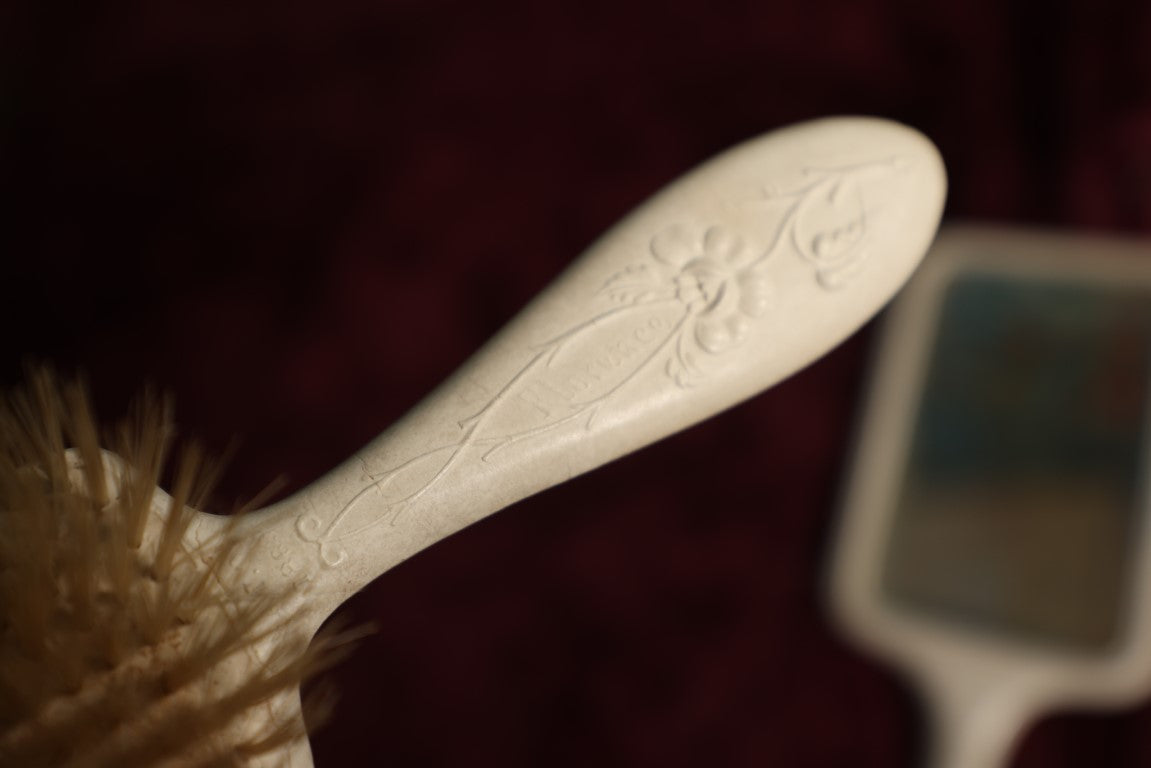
(716, 281)
(829, 230)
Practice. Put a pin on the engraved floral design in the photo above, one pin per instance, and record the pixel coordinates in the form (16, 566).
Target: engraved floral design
(713, 276)
(716, 282)
(692, 299)
(827, 219)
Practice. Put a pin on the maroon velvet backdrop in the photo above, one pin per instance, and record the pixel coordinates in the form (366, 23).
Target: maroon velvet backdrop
(300, 216)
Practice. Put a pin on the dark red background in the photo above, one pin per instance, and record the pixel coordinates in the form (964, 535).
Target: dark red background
(300, 216)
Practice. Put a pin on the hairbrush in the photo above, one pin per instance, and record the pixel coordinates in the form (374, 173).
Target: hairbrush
(140, 631)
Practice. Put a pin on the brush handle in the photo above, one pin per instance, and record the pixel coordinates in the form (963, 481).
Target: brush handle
(729, 280)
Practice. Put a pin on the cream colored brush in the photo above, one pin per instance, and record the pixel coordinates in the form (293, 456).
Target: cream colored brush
(727, 281)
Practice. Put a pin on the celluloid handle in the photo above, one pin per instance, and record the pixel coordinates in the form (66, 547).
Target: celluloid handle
(730, 279)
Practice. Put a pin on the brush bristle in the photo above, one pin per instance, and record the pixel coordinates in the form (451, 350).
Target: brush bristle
(109, 620)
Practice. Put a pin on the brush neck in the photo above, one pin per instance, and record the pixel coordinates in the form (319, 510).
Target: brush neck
(528, 412)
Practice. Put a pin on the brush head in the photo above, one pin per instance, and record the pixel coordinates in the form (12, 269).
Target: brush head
(727, 281)
(118, 618)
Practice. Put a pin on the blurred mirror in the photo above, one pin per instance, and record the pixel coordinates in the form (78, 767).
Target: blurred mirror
(1018, 505)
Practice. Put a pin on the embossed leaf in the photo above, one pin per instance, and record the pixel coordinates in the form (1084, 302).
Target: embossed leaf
(830, 226)
(631, 285)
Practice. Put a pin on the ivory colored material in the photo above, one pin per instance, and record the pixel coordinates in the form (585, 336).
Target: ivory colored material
(983, 683)
(727, 281)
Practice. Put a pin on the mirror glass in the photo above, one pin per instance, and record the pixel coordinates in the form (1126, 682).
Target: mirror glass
(1022, 492)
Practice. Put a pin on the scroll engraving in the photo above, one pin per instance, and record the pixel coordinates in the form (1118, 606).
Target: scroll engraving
(695, 296)
(828, 219)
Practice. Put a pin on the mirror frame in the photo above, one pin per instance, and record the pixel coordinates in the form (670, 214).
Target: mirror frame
(981, 688)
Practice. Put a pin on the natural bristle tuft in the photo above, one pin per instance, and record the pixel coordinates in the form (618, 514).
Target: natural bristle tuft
(114, 629)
